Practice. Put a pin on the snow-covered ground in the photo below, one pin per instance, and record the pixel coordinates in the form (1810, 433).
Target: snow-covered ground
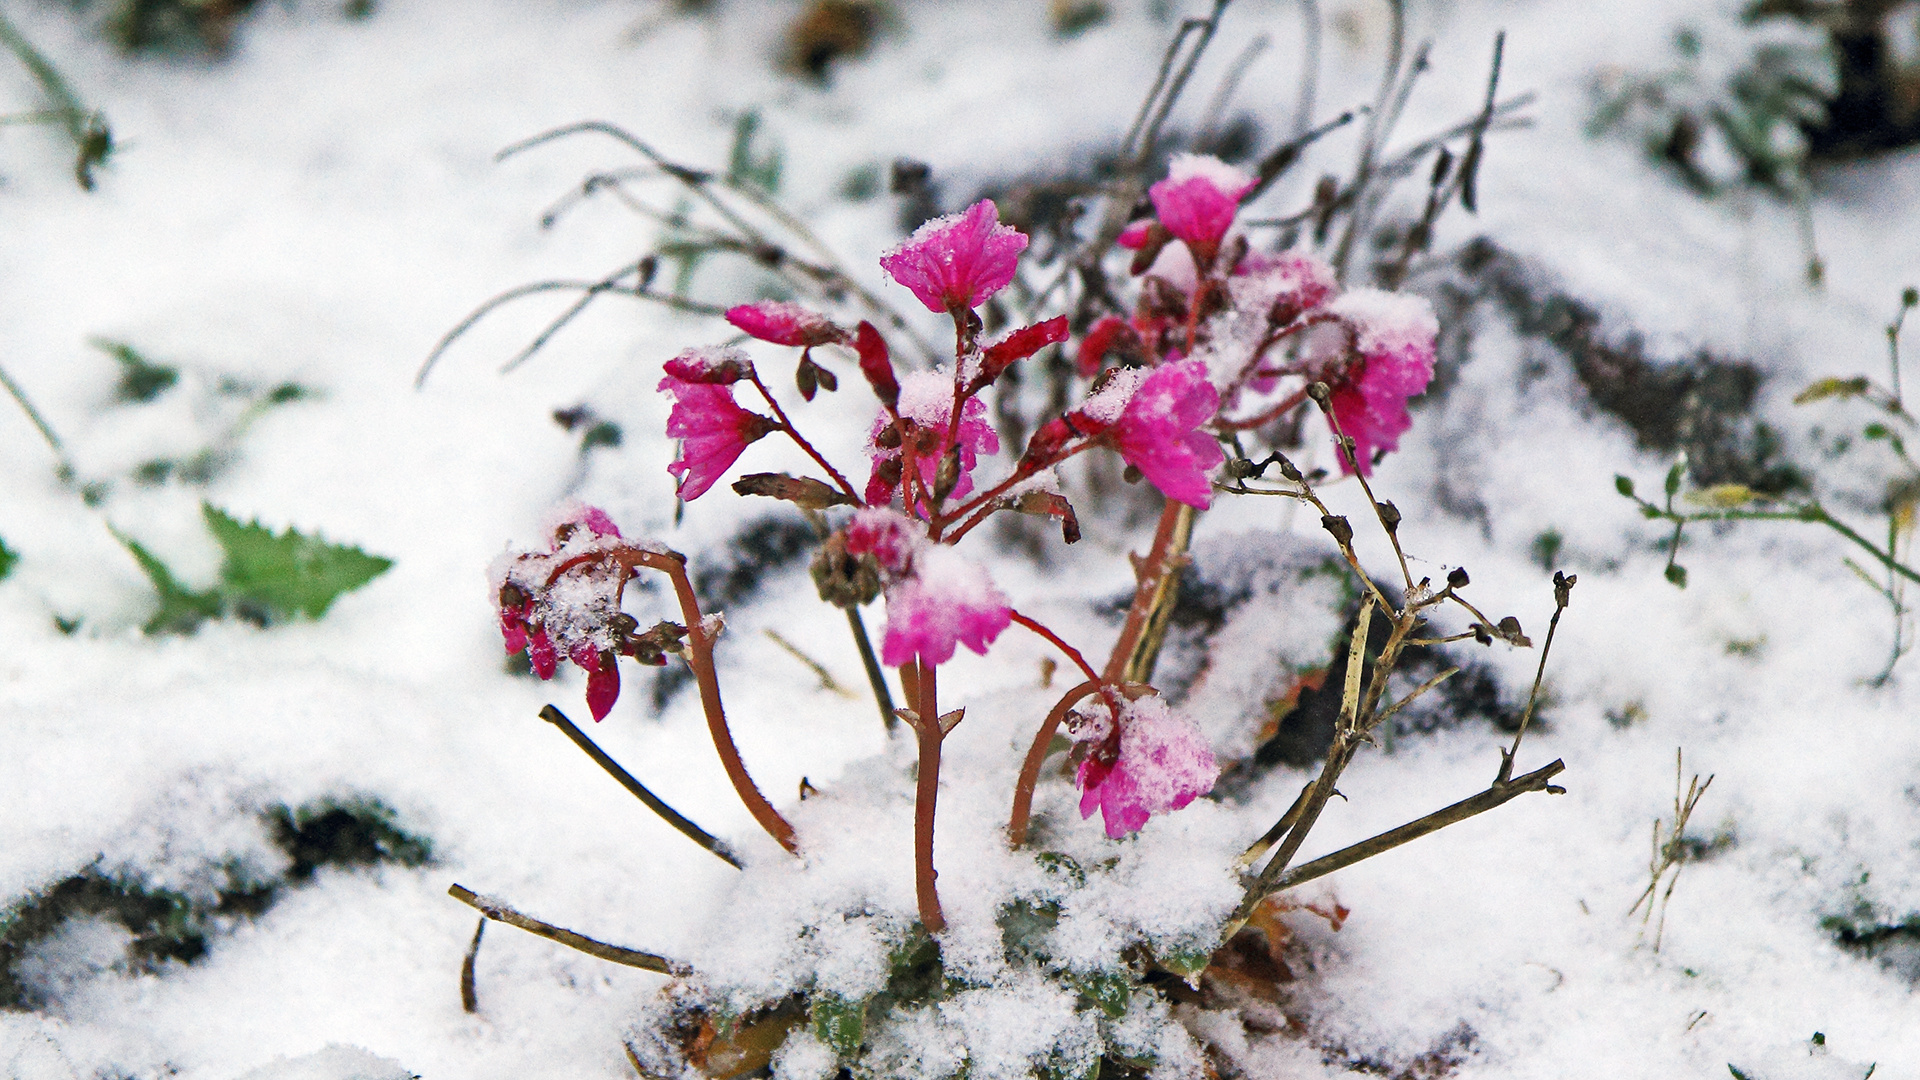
(322, 206)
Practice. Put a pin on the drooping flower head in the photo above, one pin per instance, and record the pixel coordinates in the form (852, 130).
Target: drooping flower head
(1198, 199)
(1394, 335)
(925, 407)
(1155, 763)
(937, 599)
(785, 324)
(1153, 417)
(712, 428)
(954, 263)
(574, 616)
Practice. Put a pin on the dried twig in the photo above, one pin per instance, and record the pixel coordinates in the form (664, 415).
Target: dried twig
(500, 912)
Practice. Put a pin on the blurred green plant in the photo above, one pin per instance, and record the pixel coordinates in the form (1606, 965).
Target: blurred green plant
(1889, 571)
(86, 128)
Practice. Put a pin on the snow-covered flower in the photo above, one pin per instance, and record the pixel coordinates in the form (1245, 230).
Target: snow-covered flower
(1154, 420)
(785, 324)
(937, 599)
(954, 263)
(1198, 199)
(712, 428)
(925, 407)
(576, 614)
(1158, 762)
(1394, 335)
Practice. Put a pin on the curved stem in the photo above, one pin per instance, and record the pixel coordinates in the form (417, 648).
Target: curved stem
(1022, 814)
(1072, 653)
(700, 659)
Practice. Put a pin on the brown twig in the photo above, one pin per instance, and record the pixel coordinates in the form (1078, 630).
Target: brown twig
(500, 912)
(639, 791)
(469, 994)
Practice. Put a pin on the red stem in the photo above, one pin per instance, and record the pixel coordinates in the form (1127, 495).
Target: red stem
(1036, 756)
(794, 434)
(700, 659)
(1072, 653)
(926, 795)
(1291, 401)
(1152, 569)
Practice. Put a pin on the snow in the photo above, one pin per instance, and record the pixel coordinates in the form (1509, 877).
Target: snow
(322, 207)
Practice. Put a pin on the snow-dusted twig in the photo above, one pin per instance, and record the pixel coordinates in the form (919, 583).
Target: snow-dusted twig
(639, 791)
(500, 912)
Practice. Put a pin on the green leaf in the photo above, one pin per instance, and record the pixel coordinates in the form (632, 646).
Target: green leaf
(1875, 431)
(1677, 574)
(281, 575)
(1673, 477)
(8, 557)
(1623, 485)
(1108, 990)
(840, 1023)
(141, 379)
(1187, 963)
(181, 609)
(1737, 1074)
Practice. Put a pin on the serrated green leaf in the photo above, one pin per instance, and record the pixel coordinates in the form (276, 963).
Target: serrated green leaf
(1087, 1068)
(181, 609)
(1108, 990)
(280, 575)
(1623, 485)
(1737, 1074)
(840, 1023)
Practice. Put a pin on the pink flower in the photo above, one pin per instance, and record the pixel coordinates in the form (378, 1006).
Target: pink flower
(955, 262)
(925, 406)
(937, 599)
(713, 430)
(1158, 429)
(577, 612)
(785, 324)
(1158, 763)
(1198, 199)
(948, 600)
(1394, 335)
(888, 536)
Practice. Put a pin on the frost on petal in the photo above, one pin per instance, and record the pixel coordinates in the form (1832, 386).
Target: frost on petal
(1159, 431)
(541, 653)
(1162, 764)
(1198, 199)
(954, 263)
(888, 535)
(947, 601)
(720, 366)
(785, 324)
(926, 400)
(1283, 286)
(713, 431)
(1394, 335)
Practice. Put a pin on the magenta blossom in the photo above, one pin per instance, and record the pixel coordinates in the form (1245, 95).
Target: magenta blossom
(1153, 418)
(926, 402)
(785, 324)
(575, 613)
(948, 600)
(1159, 762)
(1198, 199)
(954, 263)
(937, 599)
(712, 428)
(1394, 336)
